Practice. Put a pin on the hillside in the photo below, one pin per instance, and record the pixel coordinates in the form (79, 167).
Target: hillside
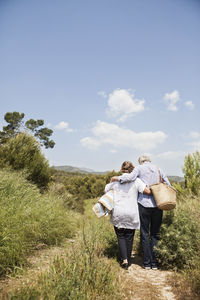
(71, 169)
(176, 178)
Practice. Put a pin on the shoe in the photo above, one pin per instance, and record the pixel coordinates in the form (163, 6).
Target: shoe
(125, 266)
(146, 267)
(154, 268)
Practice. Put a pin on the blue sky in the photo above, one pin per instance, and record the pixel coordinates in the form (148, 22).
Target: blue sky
(114, 79)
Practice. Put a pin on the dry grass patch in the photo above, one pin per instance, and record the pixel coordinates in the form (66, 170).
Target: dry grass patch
(182, 288)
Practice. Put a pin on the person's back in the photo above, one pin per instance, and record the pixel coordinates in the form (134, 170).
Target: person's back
(125, 212)
(149, 174)
(150, 215)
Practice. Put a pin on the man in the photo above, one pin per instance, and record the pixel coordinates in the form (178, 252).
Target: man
(150, 215)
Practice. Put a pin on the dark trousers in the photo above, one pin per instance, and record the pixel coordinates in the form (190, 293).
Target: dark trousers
(125, 242)
(150, 222)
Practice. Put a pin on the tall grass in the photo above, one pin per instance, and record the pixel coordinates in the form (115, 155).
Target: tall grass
(179, 246)
(27, 219)
(84, 273)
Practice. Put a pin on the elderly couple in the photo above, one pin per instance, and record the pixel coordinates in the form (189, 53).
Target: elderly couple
(134, 208)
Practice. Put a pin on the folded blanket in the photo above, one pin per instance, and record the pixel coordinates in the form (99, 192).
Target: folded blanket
(104, 205)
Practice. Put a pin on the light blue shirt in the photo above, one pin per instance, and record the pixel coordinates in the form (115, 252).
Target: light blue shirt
(149, 174)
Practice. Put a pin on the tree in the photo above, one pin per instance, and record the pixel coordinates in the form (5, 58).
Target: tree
(35, 127)
(14, 121)
(191, 172)
(23, 152)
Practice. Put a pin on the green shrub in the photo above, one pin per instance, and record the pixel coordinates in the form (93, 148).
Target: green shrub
(24, 152)
(179, 239)
(82, 186)
(191, 171)
(28, 218)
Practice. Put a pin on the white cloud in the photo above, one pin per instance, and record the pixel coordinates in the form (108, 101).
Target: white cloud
(90, 143)
(64, 126)
(171, 155)
(171, 100)
(113, 151)
(115, 136)
(195, 144)
(194, 135)
(102, 94)
(122, 104)
(189, 104)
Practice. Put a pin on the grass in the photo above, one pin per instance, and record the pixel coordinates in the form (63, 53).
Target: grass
(179, 247)
(27, 219)
(88, 269)
(82, 273)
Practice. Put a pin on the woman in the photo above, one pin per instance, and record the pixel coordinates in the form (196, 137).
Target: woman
(125, 215)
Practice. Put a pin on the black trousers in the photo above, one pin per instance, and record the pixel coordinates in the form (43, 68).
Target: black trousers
(125, 242)
(150, 222)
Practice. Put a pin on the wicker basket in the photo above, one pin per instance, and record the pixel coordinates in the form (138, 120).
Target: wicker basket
(164, 195)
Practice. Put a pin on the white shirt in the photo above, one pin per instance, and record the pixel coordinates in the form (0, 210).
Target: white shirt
(125, 212)
(149, 174)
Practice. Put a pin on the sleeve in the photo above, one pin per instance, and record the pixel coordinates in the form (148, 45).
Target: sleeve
(109, 186)
(140, 185)
(164, 177)
(129, 176)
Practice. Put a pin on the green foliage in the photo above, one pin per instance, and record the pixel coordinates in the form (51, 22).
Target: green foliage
(179, 246)
(191, 170)
(14, 121)
(42, 134)
(16, 125)
(68, 199)
(28, 219)
(83, 274)
(179, 240)
(103, 229)
(82, 186)
(23, 152)
(179, 187)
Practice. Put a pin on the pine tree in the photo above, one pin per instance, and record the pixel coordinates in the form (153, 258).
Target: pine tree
(35, 127)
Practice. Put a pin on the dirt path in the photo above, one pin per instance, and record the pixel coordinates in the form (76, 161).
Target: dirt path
(139, 284)
(144, 284)
(38, 264)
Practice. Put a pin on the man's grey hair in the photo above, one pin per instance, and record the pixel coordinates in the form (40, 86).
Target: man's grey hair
(143, 158)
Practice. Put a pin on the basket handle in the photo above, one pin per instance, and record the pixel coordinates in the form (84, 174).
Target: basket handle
(160, 177)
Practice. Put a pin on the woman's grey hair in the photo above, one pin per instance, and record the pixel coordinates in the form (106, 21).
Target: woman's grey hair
(143, 158)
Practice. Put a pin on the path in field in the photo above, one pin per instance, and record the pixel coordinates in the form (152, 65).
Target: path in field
(39, 263)
(139, 284)
(144, 284)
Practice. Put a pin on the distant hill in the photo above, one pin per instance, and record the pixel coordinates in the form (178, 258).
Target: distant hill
(176, 178)
(71, 169)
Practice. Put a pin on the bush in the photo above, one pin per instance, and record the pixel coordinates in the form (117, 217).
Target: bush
(191, 170)
(24, 152)
(28, 219)
(70, 201)
(179, 237)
